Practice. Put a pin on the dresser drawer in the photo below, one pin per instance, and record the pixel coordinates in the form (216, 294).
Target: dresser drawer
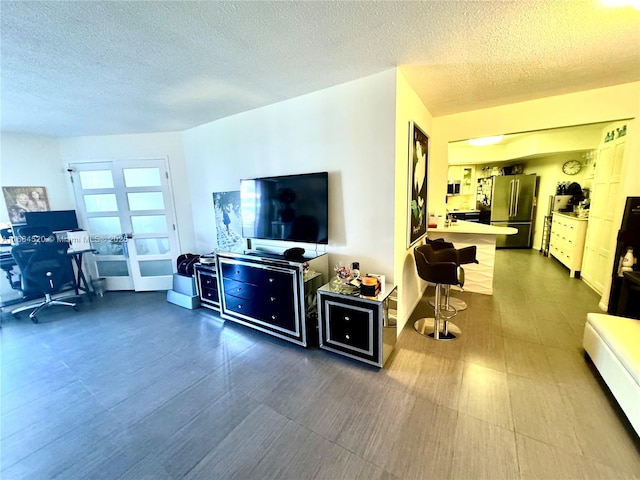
(279, 313)
(279, 316)
(256, 275)
(240, 305)
(242, 289)
(349, 327)
(208, 281)
(209, 294)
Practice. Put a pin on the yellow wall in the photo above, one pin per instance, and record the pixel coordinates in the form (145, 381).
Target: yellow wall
(592, 106)
(408, 108)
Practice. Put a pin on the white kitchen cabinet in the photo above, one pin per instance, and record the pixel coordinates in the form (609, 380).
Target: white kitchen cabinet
(454, 173)
(468, 185)
(465, 175)
(567, 241)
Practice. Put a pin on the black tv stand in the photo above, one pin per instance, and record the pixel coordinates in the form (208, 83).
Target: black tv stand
(264, 291)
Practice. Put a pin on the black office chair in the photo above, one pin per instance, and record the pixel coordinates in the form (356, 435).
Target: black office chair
(33, 234)
(6, 233)
(7, 263)
(46, 269)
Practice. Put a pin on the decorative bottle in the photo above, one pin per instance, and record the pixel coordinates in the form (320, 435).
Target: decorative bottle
(628, 261)
(355, 270)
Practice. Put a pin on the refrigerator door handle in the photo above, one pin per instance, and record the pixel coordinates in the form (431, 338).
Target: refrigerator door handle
(517, 198)
(511, 192)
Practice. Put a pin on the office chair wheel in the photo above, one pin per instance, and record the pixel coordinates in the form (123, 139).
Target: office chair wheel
(75, 307)
(34, 319)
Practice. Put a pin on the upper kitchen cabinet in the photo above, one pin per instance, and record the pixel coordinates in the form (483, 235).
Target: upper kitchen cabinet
(461, 180)
(454, 173)
(468, 185)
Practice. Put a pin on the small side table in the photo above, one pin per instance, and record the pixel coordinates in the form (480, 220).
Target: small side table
(207, 285)
(362, 328)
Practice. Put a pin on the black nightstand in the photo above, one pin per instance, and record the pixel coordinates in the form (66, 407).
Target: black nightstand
(358, 327)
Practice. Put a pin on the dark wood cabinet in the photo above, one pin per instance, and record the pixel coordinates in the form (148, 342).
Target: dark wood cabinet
(358, 327)
(271, 294)
(207, 285)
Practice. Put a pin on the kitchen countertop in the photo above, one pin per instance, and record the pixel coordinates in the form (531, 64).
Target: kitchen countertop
(571, 215)
(474, 228)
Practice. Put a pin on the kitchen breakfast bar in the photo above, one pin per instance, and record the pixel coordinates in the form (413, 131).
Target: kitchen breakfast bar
(478, 277)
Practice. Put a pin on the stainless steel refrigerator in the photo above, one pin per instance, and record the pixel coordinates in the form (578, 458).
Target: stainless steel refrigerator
(513, 205)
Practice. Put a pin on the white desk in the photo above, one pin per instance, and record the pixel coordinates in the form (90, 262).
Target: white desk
(478, 277)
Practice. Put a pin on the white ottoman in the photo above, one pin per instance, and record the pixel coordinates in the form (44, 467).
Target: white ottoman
(613, 343)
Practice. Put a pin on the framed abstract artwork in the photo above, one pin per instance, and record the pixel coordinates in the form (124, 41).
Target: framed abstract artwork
(417, 188)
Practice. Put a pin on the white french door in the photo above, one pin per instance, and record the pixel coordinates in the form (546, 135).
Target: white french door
(127, 208)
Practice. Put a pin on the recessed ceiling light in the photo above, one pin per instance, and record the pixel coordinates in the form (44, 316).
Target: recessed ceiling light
(479, 142)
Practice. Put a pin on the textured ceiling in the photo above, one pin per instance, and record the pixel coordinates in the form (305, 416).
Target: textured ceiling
(92, 67)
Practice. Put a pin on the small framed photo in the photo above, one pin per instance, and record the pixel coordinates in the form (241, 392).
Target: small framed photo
(20, 200)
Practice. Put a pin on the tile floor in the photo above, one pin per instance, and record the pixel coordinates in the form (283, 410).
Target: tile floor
(133, 387)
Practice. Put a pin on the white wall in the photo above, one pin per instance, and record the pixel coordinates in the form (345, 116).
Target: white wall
(134, 147)
(347, 130)
(408, 108)
(28, 160)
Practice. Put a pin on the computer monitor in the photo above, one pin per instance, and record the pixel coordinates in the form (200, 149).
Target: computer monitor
(56, 220)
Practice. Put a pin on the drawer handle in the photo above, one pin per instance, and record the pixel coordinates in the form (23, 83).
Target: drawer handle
(273, 299)
(273, 317)
(347, 337)
(239, 306)
(346, 319)
(239, 288)
(271, 280)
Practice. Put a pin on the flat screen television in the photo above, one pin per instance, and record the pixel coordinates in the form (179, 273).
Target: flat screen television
(294, 208)
(56, 220)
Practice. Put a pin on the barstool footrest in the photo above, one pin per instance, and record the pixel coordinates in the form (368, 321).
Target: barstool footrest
(425, 327)
(454, 302)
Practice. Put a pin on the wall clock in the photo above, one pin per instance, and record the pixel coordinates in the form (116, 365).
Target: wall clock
(571, 167)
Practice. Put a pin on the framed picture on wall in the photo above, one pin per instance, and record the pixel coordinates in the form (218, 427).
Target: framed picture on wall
(417, 188)
(24, 199)
(226, 206)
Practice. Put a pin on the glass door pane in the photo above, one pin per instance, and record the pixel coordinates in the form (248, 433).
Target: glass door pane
(104, 202)
(104, 225)
(94, 179)
(146, 201)
(149, 224)
(142, 177)
(152, 246)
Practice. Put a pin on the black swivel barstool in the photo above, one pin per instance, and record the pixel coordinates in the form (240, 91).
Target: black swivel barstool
(440, 267)
(466, 255)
